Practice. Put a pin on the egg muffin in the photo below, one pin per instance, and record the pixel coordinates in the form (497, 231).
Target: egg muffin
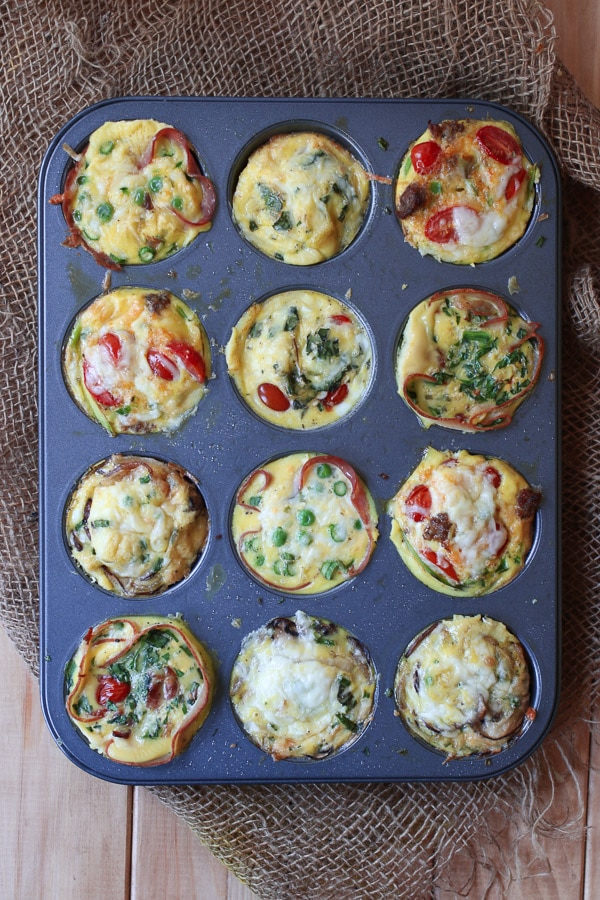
(464, 523)
(135, 194)
(467, 360)
(139, 688)
(304, 523)
(300, 359)
(301, 198)
(303, 687)
(465, 190)
(136, 525)
(137, 361)
(463, 686)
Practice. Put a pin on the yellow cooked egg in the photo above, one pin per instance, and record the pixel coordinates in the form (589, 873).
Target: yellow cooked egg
(304, 523)
(303, 687)
(136, 194)
(465, 190)
(300, 359)
(464, 523)
(137, 361)
(467, 360)
(139, 688)
(301, 198)
(462, 686)
(136, 525)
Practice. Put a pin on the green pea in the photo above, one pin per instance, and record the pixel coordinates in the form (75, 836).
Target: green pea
(279, 537)
(146, 254)
(305, 517)
(77, 215)
(105, 211)
(324, 470)
(340, 488)
(357, 524)
(259, 560)
(82, 179)
(155, 184)
(304, 538)
(177, 203)
(139, 196)
(107, 147)
(282, 567)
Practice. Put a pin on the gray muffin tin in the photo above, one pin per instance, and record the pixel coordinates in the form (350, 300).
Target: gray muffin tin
(219, 275)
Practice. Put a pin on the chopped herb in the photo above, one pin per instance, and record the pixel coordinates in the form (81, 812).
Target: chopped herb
(270, 198)
(347, 723)
(101, 523)
(383, 143)
(292, 320)
(283, 223)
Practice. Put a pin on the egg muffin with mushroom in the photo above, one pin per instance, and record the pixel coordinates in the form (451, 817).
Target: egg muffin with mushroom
(303, 687)
(301, 198)
(465, 190)
(139, 688)
(136, 525)
(464, 523)
(137, 361)
(463, 686)
(135, 194)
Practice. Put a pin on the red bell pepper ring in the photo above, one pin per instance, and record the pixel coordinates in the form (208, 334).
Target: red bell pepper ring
(209, 200)
(267, 479)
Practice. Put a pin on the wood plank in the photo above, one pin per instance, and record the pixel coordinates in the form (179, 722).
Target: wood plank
(48, 846)
(168, 860)
(577, 25)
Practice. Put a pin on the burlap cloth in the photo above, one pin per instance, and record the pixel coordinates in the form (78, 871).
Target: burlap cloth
(58, 56)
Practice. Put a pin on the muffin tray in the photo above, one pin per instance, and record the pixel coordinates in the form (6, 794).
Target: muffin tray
(382, 278)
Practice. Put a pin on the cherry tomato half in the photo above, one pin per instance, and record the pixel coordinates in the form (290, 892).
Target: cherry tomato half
(190, 359)
(440, 227)
(441, 563)
(111, 344)
(493, 475)
(424, 156)
(94, 386)
(420, 499)
(273, 397)
(514, 183)
(335, 396)
(111, 691)
(498, 144)
(161, 365)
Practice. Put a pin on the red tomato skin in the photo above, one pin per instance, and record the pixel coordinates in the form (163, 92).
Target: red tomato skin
(514, 184)
(272, 397)
(440, 227)
(111, 343)
(420, 497)
(161, 365)
(341, 319)
(111, 691)
(191, 359)
(336, 396)
(93, 386)
(424, 156)
(494, 476)
(443, 564)
(498, 143)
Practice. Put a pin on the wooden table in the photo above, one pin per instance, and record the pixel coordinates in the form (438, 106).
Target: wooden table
(140, 848)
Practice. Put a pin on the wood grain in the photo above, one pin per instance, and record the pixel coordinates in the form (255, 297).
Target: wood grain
(61, 827)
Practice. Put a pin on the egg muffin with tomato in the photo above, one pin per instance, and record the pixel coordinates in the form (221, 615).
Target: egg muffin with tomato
(300, 359)
(135, 194)
(301, 198)
(465, 190)
(463, 686)
(137, 361)
(139, 688)
(136, 525)
(304, 523)
(464, 523)
(303, 687)
(467, 360)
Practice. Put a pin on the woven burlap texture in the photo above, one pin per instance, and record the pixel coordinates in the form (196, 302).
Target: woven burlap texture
(59, 56)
